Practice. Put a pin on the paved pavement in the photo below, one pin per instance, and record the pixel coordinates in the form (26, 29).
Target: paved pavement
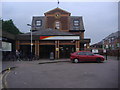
(30, 74)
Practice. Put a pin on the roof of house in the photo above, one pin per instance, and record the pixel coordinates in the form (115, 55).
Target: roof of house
(97, 44)
(115, 35)
(57, 10)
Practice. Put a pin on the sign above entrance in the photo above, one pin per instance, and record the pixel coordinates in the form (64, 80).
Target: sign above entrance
(59, 37)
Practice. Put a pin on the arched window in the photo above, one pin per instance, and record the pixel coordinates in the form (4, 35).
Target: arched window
(57, 25)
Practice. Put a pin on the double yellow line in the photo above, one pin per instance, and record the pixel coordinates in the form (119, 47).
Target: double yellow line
(4, 78)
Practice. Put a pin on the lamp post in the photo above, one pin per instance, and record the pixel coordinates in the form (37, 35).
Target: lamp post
(118, 51)
(106, 51)
(31, 36)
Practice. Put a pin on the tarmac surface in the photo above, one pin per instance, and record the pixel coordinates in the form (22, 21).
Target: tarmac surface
(11, 64)
(60, 74)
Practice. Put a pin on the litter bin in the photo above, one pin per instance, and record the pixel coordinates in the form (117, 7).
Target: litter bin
(51, 56)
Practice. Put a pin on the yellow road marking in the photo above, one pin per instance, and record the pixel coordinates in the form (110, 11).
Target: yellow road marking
(4, 80)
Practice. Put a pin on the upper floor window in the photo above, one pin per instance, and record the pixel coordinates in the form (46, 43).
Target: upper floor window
(57, 25)
(76, 22)
(112, 39)
(103, 42)
(38, 23)
(109, 40)
(76, 27)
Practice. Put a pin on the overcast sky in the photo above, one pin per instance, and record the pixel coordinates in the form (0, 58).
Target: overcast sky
(100, 18)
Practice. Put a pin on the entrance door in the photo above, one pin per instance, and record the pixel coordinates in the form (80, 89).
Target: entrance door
(45, 51)
(26, 49)
(66, 50)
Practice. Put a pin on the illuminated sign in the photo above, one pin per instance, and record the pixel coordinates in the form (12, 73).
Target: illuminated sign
(6, 46)
(59, 37)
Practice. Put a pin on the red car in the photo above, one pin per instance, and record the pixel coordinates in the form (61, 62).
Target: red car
(85, 56)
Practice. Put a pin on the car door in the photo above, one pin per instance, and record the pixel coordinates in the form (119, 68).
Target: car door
(82, 56)
(90, 57)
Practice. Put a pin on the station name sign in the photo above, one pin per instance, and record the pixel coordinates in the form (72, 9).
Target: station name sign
(59, 37)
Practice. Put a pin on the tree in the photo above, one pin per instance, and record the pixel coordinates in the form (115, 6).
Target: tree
(9, 26)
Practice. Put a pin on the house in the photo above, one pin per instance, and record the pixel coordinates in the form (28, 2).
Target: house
(110, 44)
(112, 41)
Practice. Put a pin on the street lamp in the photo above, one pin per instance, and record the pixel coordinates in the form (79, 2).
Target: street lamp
(118, 51)
(106, 51)
(31, 36)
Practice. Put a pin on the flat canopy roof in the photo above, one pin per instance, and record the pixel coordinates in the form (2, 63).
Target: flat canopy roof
(46, 32)
(49, 31)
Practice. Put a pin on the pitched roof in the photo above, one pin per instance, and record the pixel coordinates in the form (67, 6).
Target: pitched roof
(115, 35)
(57, 10)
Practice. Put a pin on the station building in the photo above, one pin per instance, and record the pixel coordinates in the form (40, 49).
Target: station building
(57, 31)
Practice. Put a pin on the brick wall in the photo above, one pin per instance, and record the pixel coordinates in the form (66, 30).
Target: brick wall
(50, 22)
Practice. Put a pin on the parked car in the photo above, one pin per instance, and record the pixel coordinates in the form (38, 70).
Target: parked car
(85, 56)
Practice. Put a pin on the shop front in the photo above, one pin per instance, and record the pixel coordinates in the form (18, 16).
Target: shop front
(61, 44)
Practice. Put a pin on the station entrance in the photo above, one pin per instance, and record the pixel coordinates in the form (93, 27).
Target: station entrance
(45, 51)
(66, 50)
(43, 48)
(26, 50)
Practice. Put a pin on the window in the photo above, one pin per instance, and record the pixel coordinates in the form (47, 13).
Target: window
(109, 40)
(90, 54)
(57, 25)
(81, 53)
(106, 46)
(103, 42)
(112, 46)
(76, 22)
(38, 23)
(85, 53)
(118, 44)
(112, 38)
(76, 27)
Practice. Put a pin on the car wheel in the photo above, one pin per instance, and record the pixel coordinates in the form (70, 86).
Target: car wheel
(98, 60)
(76, 60)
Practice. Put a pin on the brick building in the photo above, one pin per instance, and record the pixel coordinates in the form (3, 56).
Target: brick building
(56, 32)
(112, 41)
